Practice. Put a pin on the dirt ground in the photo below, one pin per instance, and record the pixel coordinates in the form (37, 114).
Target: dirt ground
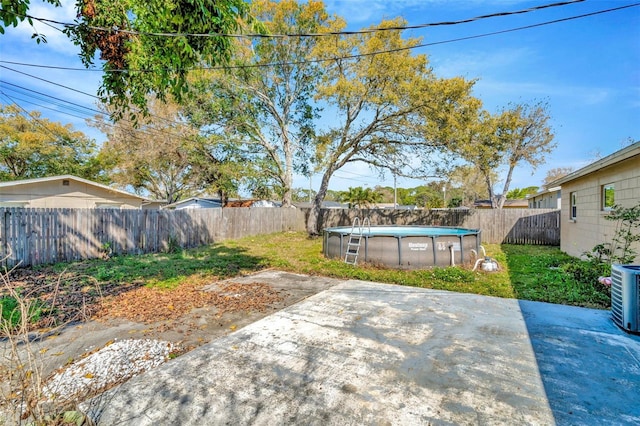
(191, 316)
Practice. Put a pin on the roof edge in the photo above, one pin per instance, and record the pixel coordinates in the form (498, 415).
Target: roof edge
(620, 155)
(75, 178)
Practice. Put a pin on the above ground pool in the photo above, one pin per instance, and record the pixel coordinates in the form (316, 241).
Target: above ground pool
(406, 247)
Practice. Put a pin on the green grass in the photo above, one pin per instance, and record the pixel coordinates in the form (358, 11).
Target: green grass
(540, 273)
(526, 272)
(11, 312)
(168, 270)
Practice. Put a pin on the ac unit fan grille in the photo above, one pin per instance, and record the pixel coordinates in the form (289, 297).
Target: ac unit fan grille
(616, 297)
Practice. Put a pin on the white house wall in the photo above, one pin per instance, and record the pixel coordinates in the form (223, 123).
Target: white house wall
(590, 226)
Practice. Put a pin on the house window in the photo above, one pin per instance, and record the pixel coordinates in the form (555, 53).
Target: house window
(573, 211)
(608, 199)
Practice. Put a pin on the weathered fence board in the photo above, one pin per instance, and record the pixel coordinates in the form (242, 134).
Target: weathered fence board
(41, 236)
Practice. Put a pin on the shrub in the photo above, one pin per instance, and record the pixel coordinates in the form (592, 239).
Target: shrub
(587, 271)
(627, 233)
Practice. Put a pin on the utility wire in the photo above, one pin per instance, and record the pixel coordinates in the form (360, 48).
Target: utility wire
(149, 131)
(14, 98)
(298, 35)
(45, 80)
(26, 113)
(338, 58)
(79, 91)
(50, 96)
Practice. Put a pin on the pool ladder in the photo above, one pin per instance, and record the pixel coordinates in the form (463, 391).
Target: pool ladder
(355, 238)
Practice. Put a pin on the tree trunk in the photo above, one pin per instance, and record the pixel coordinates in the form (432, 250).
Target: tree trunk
(505, 189)
(492, 197)
(288, 170)
(314, 212)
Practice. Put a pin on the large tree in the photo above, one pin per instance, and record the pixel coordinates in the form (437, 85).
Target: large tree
(527, 136)
(162, 154)
(555, 174)
(265, 102)
(32, 146)
(518, 134)
(146, 47)
(389, 109)
(469, 183)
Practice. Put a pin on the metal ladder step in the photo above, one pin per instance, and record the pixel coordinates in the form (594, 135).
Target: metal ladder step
(355, 238)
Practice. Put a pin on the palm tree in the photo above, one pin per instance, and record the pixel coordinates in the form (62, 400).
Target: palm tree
(359, 197)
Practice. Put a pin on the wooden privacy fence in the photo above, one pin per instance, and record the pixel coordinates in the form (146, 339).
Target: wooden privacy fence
(39, 236)
(505, 226)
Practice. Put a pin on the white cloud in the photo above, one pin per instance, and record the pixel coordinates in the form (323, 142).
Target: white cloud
(56, 40)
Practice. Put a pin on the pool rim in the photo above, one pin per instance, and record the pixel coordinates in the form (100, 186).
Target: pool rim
(348, 229)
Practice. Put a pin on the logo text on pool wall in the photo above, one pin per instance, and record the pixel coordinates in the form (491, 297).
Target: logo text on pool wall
(418, 246)
(445, 245)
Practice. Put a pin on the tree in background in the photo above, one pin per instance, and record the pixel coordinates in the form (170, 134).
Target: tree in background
(33, 147)
(331, 195)
(521, 193)
(265, 103)
(555, 174)
(527, 136)
(386, 105)
(359, 198)
(162, 154)
(468, 183)
(303, 194)
(519, 134)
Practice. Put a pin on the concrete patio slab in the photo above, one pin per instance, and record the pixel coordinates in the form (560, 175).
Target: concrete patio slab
(367, 353)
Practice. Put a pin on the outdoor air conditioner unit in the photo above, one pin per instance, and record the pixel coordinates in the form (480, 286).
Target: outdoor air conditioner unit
(625, 297)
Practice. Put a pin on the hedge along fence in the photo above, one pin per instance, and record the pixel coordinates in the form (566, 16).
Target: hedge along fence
(40, 236)
(504, 226)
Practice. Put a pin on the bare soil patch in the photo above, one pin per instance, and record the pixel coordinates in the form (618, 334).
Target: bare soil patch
(192, 314)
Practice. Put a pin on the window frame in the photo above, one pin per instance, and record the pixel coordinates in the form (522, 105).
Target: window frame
(603, 197)
(573, 205)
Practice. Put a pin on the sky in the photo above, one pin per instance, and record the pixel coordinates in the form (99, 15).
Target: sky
(587, 69)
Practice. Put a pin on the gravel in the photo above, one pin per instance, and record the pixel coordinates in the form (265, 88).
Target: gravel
(113, 364)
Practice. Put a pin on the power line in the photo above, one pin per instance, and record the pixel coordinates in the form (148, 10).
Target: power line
(338, 58)
(52, 97)
(298, 35)
(43, 106)
(78, 91)
(149, 131)
(25, 112)
(47, 81)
